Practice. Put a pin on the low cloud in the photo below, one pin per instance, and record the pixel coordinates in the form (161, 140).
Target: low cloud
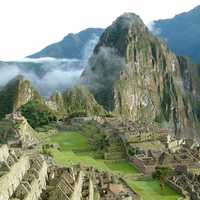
(103, 68)
(49, 74)
(45, 78)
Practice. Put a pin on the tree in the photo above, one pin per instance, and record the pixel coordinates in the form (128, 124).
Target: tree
(37, 114)
(160, 173)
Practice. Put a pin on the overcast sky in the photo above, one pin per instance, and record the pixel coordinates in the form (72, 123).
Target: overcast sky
(27, 26)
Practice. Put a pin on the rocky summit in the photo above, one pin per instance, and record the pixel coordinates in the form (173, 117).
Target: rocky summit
(133, 74)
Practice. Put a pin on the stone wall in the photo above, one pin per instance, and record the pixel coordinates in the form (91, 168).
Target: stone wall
(142, 137)
(38, 184)
(4, 153)
(12, 179)
(175, 187)
(21, 177)
(140, 165)
(91, 190)
(78, 187)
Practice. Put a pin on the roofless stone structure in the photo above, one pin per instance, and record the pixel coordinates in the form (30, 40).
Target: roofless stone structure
(29, 177)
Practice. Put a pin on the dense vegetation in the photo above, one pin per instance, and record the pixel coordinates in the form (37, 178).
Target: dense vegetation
(37, 114)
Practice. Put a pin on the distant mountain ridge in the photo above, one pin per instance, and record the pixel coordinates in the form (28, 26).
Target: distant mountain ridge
(181, 33)
(72, 46)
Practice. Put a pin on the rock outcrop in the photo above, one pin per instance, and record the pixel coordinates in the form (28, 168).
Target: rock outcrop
(134, 75)
(16, 131)
(16, 93)
(77, 101)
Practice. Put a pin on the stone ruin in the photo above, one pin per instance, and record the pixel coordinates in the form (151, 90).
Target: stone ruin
(185, 182)
(29, 177)
(21, 177)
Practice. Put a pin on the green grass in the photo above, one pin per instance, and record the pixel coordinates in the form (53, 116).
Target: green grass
(75, 149)
(71, 141)
(122, 167)
(150, 190)
(69, 158)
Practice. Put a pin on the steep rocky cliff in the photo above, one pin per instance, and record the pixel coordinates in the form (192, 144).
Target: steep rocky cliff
(135, 75)
(15, 94)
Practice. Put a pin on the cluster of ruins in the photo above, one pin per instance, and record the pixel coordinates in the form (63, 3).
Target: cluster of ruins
(29, 177)
(148, 146)
(21, 177)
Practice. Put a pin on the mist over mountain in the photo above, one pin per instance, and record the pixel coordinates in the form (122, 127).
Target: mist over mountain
(181, 33)
(72, 46)
(50, 73)
(144, 79)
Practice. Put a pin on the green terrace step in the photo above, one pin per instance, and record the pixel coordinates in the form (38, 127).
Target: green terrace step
(114, 155)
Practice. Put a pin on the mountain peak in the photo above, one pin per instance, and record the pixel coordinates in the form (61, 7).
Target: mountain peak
(128, 20)
(124, 29)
